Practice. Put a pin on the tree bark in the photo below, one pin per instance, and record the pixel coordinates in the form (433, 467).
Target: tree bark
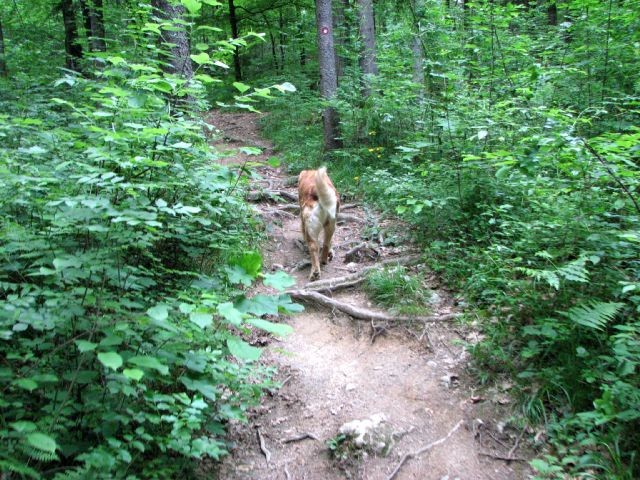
(72, 46)
(92, 11)
(368, 54)
(552, 13)
(282, 38)
(340, 38)
(179, 61)
(416, 46)
(233, 21)
(328, 78)
(4, 71)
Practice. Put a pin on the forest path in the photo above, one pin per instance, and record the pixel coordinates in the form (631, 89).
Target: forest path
(334, 370)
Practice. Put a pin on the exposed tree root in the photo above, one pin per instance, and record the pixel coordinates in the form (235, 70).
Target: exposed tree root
(263, 447)
(301, 437)
(346, 218)
(501, 457)
(336, 283)
(361, 250)
(363, 313)
(407, 456)
(270, 195)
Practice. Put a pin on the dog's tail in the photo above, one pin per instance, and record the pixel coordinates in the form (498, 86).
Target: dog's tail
(327, 195)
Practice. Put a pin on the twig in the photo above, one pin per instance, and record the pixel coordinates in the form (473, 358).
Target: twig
(301, 437)
(506, 459)
(407, 456)
(612, 173)
(263, 447)
(515, 446)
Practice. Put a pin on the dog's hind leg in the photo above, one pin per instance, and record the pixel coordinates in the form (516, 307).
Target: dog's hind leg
(314, 252)
(327, 252)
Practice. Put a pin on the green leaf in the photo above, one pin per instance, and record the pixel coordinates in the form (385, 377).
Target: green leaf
(259, 305)
(24, 427)
(279, 280)
(230, 313)
(201, 58)
(42, 441)
(274, 162)
(133, 373)
(280, 329)
(236, 274)
(26, 384)
(286, 87)
(110, 360)
(159, 313)
(85, 346)
(241, 86)
(149, 362)
(193, 6)
(242, 350)
(202, 319)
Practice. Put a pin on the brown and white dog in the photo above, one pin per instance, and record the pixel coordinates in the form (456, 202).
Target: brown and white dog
(319, 205)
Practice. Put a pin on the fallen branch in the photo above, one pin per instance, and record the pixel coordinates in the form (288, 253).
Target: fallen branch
(407, 456)
(362, 313)
(263, 447)
(346, 217)
(363, 249)
(299, 438)
(271, 195)
(335, 283)
(506, 459)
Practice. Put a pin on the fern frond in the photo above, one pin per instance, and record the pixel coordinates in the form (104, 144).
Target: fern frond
(14, 466)
(594, 315)
(39, 455)
(545, 275)
(575, 271)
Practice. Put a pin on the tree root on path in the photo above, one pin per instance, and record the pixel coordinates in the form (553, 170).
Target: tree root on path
(506, 459)
(263, 447)
(271, 195)
(301, 437)
(407, 456)
(336, 283)
(363, 313)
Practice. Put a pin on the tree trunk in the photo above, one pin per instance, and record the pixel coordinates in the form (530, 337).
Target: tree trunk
(72, 46)
(282, 38)
(233, 21)
(328, 78)
(416, 46)
(4, 72)
(368, 54)
(176, 39)
(339, 27)
(552, 13)
(93, 14)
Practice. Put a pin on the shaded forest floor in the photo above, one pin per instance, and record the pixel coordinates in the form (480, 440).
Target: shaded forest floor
(335, 369)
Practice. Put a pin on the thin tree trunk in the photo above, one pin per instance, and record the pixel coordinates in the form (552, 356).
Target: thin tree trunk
(72, 46)
(552, 13)
(233, 21)
(339, 27)
(176, 39)
(4, 71)
(416, 47)
(328, 78)
(368, 55)
(282, 38)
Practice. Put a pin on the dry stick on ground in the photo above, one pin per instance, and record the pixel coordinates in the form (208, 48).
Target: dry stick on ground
(500, 457)
(363, 313)
(263, 447)
(301, 437)
(407, 456)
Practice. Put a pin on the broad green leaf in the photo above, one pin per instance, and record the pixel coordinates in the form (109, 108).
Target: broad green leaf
(242, 350)
(286, 87)
(26, 384)
(42, 441)
(280, 329)
(207, 389)
(149, 362)
(159, 312)
(230, 313)
(236, 274)
(110, 360)
(133, 373)
(193, 6)
(24, 427)
(202, 319)
(85, 346)
(279, 280)
(241, 86)
(274, 162)
(259, 305)
(201, 58)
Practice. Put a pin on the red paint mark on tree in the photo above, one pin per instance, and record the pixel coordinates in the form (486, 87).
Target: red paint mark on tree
(324, 30)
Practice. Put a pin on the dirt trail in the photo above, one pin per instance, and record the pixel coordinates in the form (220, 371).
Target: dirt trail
(333, 373)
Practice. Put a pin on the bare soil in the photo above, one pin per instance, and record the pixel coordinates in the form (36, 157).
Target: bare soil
(334, 369)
